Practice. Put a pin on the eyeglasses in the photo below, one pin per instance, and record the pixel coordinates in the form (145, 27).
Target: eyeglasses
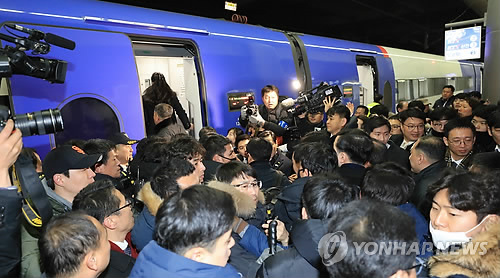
(395, 126)
(466, 141)
(131, 202)
(247, 185)
(412, 127)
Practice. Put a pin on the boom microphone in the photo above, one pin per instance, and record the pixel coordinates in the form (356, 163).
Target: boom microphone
(59, 41)
(49, 37)
(35, 34)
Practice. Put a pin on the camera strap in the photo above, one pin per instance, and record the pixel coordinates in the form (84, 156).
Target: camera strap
(36, 208)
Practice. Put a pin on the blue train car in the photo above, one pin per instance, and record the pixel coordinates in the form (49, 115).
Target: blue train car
(118, 47)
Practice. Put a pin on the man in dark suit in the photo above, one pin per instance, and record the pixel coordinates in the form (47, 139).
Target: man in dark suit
(412, 127)
(379, 128)
(353, 148)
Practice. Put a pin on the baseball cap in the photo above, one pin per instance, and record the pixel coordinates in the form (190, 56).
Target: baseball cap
(65, 158)
(122, 138)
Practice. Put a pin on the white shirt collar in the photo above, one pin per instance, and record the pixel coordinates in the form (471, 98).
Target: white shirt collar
(405, 144)
(497, 148)
(122, 244)
(456, 161)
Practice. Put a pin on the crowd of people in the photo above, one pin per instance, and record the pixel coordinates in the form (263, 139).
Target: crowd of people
(341, 192)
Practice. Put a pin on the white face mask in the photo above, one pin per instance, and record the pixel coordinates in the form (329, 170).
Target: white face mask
(442, 240)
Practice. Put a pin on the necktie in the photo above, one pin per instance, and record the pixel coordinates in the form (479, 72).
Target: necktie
(128, 251)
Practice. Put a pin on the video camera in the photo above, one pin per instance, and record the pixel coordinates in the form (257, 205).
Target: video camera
(312, 100)
(13, 60)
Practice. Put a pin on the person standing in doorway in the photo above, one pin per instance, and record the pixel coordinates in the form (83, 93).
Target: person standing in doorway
(160, 92)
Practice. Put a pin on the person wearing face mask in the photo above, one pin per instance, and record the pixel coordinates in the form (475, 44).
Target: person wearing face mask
(484, 141)
(465, 215)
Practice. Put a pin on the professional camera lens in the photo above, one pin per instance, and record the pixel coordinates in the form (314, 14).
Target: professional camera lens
(39, 122)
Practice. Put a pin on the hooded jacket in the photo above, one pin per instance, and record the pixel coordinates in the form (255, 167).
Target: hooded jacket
(302, 260)
(156, 261)
(142, 233)
(467, 263)
(246, 250)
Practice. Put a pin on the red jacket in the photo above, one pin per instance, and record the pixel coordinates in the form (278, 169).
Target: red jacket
(134, 252)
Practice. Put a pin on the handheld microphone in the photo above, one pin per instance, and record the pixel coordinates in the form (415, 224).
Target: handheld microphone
(272, 237)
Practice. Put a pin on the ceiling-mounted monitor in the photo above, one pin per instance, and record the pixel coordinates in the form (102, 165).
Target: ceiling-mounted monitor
(462, 44)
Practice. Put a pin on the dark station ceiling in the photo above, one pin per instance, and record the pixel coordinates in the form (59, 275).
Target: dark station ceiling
(414, 25)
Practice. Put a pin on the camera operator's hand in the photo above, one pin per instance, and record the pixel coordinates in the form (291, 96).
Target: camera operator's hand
(243, 112)
(11, 145)
(328, 102)
(257, 119)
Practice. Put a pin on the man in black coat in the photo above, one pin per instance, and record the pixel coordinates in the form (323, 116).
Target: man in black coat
(308, 160)
(259, 152)
(353, 148)
(427, 162)
(271, 115)
(379, 128)
(323, 196)
(218, 151)
(412, 128)
(447, 97)
(278, 160)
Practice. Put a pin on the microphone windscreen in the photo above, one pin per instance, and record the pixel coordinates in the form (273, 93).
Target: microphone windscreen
(289, 102)
(59, 41)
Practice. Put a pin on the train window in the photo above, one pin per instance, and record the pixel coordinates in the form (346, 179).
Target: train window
(86, 118)
(430, 88)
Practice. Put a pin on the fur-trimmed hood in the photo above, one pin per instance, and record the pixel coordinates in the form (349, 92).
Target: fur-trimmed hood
(150, 199)
(245, 206)
(471, 264)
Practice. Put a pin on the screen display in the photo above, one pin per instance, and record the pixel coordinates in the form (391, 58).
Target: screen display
(462, 44)
(237, 100)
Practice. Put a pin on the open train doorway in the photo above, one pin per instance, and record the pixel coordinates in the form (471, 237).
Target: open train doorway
(368, 79)
(178, 63)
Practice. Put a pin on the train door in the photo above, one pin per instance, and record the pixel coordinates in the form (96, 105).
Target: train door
(367, 74)
(178, 63)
